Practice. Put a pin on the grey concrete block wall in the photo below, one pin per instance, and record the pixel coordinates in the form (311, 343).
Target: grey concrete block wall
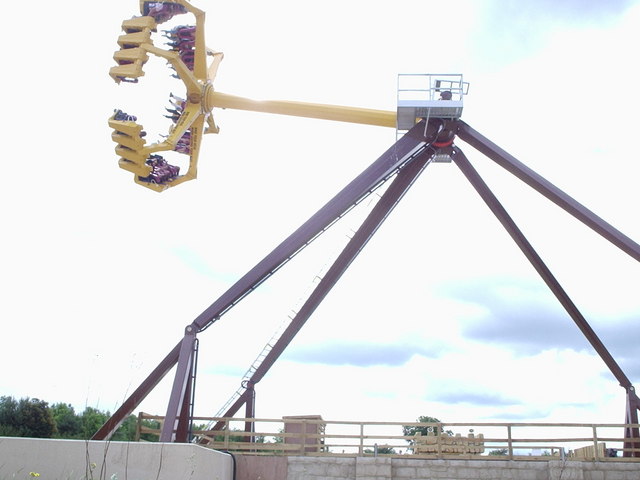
(468, 469)
(373, 468)
(617, 471)
(387, 468)
(308, 468)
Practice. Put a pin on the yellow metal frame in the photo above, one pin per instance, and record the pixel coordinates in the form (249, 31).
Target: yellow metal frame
(201, 99)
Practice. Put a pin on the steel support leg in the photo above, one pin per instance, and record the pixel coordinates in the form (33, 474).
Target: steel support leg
(183, 426)
(405, 179)
(632, 432)
(498, 210)
(553, 193)
(395, 157)
(401, 184)
(250, 411)
(181, 387)
(183, 430)
(404, 150)
(626, 244)
(138, 395)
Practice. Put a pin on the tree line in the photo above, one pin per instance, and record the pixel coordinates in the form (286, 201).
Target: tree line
(35, 418)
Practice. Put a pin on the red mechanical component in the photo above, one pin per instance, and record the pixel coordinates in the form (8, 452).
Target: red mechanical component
(448, 143)
(446, 136)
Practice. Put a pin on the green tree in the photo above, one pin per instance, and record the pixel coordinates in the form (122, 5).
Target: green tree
(411, 430)
(232, 437)
(499, 452)
(92, 419)
(68, 423)
(8, 415)
(71, 425)
(35, 417)
(381, 450)
(127, 430)
(28, 417)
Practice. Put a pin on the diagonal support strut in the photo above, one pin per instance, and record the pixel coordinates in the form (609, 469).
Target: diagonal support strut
(546, 188)
(518, 237)
(396, 191)
(399, 154)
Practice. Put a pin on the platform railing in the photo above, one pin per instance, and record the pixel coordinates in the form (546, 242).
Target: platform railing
(314, 436)
(429, 86)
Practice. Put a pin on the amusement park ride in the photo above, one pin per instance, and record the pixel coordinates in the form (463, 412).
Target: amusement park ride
(427, 121)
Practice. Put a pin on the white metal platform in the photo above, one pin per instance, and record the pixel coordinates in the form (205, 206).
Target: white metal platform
(428, 96)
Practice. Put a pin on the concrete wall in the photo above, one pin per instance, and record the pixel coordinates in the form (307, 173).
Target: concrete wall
(386, 468)
(77, 459)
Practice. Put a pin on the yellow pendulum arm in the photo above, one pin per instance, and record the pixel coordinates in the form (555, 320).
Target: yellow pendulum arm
(189, 61)
(337, 113)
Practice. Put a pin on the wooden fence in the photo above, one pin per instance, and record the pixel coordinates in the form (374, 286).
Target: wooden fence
(490, 441)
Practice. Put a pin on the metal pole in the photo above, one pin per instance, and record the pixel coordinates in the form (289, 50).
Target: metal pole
(250, 412)
(631, 418)
(184, 418)
(180, 385)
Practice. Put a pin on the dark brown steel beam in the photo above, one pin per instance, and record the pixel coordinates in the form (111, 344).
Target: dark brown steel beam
(184, 419)
(139, 394)
(399, 186)
(401, 152)
(233, 409)
(388, 163)
(631, 418)
(250, 412)
(498, 210)
(626, 244)
(553, 193)
(180, 385)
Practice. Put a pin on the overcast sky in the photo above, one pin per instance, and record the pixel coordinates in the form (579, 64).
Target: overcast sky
(440, 315)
